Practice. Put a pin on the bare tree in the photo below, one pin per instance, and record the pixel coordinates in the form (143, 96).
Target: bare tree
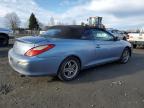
(41, 25)
(12, 21)
(59, 23)
(52, 21)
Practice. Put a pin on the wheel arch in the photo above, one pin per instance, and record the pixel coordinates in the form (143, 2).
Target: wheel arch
(129, 50)
(74, 57)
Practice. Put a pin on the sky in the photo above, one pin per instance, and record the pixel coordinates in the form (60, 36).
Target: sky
(122, 14)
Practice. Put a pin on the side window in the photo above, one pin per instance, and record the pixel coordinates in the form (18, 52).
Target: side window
(101, 35)
(86, 35)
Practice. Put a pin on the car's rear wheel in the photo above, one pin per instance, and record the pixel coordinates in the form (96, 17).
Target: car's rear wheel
(125, 56)
(69, 69)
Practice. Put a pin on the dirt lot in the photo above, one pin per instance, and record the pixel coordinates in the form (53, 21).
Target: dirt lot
(108, 86)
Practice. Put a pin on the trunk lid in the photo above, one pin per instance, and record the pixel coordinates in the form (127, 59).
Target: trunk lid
(22, 45)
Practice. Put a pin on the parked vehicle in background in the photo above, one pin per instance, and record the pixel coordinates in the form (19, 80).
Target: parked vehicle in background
(65, 50)
(5, 35)
(41, 32)
(136, 39)
(120, 34)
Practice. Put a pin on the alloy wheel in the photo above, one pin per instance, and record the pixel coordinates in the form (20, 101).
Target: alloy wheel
(125, 56)
(70, 69)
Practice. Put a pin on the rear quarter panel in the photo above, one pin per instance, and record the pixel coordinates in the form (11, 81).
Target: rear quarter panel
(83, 49)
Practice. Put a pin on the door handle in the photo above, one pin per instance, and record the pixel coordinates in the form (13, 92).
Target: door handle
(97, 46)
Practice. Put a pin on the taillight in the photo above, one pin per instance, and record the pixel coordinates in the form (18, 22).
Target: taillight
(39, 49)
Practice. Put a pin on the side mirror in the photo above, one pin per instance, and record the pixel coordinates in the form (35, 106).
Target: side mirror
(115, 38)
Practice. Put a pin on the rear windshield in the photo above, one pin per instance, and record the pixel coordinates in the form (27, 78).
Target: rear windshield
(63, 33)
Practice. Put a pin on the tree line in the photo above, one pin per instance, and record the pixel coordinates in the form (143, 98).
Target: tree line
(13, 21)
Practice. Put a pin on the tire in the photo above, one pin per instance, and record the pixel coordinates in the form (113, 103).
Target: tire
(125, 56)
(69, 69)
(134, 46)
(4, 41)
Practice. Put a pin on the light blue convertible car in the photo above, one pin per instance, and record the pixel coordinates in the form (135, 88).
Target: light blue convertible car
(66, 50)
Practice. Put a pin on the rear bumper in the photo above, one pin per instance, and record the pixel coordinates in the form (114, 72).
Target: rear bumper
(33, 66)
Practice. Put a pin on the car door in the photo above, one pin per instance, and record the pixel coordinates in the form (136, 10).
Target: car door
(106, 47)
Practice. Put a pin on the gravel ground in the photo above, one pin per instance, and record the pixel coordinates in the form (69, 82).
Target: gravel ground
(109, 86)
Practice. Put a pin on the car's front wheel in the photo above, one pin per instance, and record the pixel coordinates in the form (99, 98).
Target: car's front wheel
(125, 56)
(69, 69)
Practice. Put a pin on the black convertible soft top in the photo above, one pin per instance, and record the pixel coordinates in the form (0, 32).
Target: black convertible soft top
(70, 31)
(79, 27)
